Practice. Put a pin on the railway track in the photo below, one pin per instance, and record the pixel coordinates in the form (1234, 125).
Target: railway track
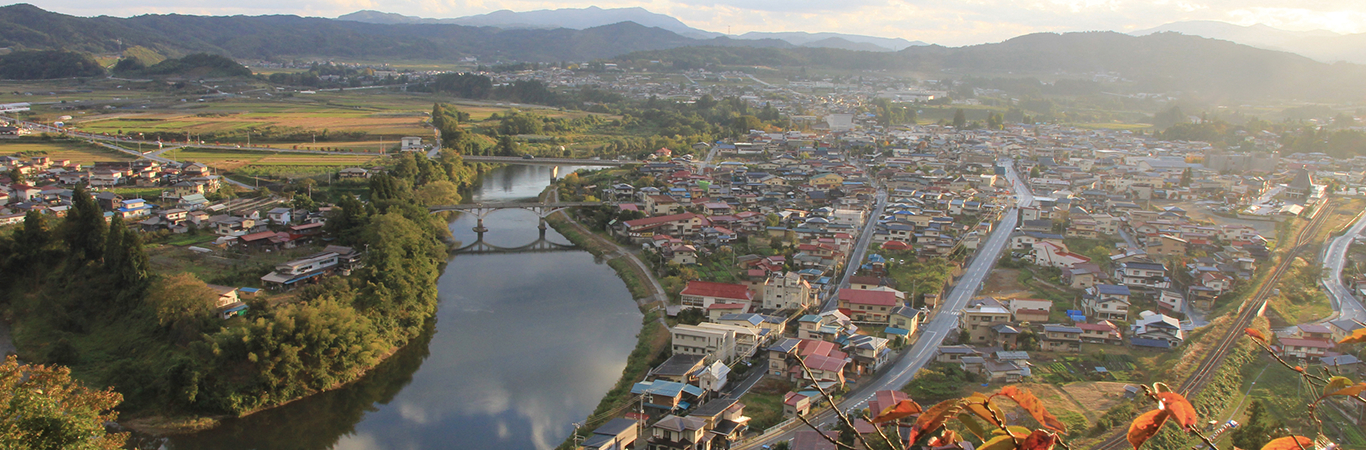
(1251, 308)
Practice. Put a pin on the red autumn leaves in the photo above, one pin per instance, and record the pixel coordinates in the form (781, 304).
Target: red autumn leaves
(999, 436)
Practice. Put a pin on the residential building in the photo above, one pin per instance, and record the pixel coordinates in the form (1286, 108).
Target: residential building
(786, 291)
(1061, 338)
(868, 306)
(979, 316)
(1107, 302)
(702, 294)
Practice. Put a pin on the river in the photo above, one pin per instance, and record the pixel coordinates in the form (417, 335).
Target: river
(524, 345)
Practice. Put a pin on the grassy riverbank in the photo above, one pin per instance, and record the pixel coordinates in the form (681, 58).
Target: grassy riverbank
(652, 342)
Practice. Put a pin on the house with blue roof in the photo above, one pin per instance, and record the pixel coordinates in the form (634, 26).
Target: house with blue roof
(668, 396)
(134, 208)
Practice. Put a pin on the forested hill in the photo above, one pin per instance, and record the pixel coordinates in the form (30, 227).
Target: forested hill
(25, 26)
(1158, 63)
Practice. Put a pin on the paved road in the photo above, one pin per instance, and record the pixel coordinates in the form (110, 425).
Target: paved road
(904, 367)
(1129, 239)
(865, 238)
(1344, 302)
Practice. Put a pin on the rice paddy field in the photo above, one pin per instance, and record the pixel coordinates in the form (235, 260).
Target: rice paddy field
(76, 152)
(231, 160)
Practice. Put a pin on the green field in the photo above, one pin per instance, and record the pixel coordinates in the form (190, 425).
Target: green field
(239, 159)
(77, 152)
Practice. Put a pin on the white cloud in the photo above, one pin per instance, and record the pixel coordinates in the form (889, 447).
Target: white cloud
(949, 22)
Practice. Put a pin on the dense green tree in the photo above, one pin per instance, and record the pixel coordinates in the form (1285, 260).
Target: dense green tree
(43, 408)
(741, 125)
(113, 242)
(32, 240)
(48, 64)
(1259, 428)
(84, 228)
(182, 303)
(506, 147)
(960, 119)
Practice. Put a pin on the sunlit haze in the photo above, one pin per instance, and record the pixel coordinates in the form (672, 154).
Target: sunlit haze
(946, 22)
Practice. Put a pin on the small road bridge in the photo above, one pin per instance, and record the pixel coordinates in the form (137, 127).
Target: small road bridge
(542, 210)
(541, 245)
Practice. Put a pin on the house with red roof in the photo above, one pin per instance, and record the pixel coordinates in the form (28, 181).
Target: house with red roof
(702, 294)
(1102, 332)
(1049, 254)
(1303, 348)
(867, 306)
(640, 230)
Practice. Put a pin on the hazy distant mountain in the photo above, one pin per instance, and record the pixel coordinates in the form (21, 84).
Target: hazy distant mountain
(572, 18)
(845, 44)
(24, 26)
(804, 39)
(1162, 62)
(1322, 45)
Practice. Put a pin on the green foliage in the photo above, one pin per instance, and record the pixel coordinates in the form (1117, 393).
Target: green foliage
(48, 64)
(1258, 429)
(692, 316)
(84, 228)
(938, 382)
(194, 65)
(43, 408)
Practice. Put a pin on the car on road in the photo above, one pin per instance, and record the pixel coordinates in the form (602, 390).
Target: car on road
(528, 157)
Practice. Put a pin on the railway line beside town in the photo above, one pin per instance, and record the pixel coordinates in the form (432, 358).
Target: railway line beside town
(1252, 307)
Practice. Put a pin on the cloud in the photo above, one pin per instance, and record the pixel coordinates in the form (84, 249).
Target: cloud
(949, 22)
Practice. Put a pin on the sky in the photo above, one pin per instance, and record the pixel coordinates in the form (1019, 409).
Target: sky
(945, 22)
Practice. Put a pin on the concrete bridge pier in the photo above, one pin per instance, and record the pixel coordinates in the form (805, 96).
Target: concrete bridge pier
(479, 224)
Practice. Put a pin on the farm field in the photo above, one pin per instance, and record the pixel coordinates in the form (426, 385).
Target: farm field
(233, 160)
(76, 152)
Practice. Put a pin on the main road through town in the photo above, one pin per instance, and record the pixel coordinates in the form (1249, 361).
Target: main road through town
(1344, 302)
(906, 364)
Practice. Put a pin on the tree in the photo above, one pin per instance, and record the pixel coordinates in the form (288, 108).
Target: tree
(772, 220)
(84, 228)
(42, 407)
(17, 176)
(960, 119)
(438, 193)
(741, 125)
(32, 239)
(181, 302)
(505, 146)
(1186, 177)
(1034, 172)
(1259, 429)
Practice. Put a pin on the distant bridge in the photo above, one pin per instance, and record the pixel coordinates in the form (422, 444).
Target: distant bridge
(548, 161)
(542, 210)
(541, 245)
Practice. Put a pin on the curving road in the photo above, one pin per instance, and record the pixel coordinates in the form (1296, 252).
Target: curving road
(907, 363)
(1346, 304)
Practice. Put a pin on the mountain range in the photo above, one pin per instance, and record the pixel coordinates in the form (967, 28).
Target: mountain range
(590, 17)
(1322, 45)
(1169, 63)
(1156, 63)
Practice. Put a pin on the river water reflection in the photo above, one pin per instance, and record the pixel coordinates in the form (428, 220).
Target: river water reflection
(524, 345)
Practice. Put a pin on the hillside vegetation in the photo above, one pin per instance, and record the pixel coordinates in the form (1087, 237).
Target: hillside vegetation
(48, 64)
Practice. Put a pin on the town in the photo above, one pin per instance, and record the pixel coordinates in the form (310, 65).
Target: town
(604, 229)
(804, 264)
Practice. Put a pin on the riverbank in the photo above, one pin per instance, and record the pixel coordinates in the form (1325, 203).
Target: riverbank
(653, 341)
